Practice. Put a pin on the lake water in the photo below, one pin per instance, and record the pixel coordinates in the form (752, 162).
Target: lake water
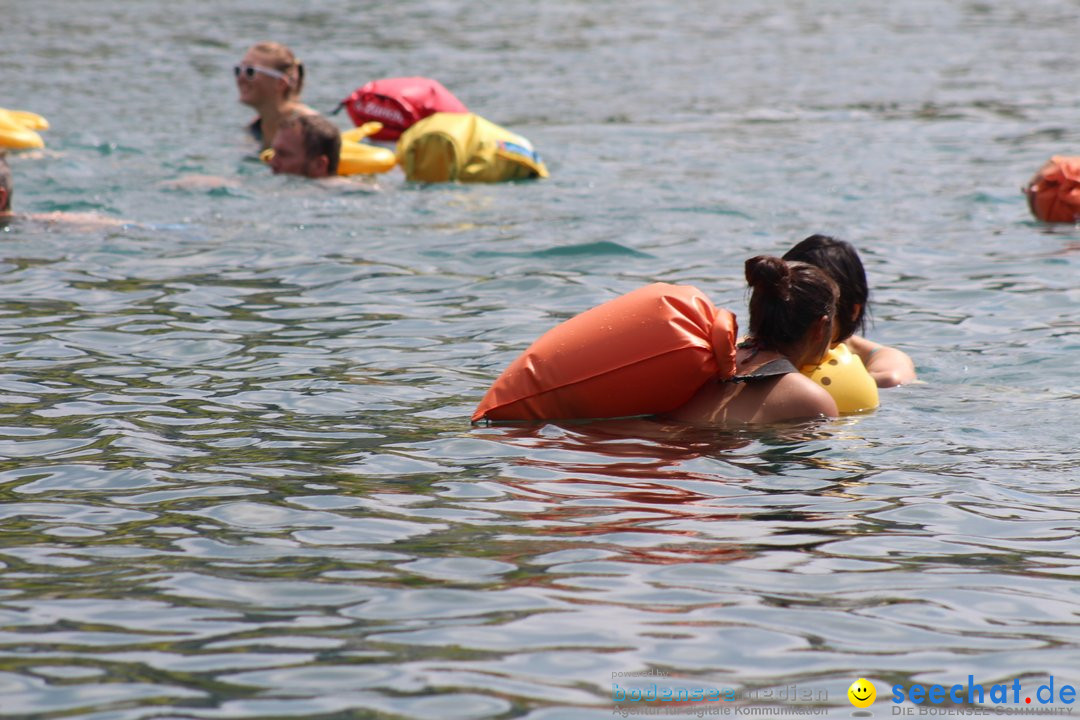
(238, 478)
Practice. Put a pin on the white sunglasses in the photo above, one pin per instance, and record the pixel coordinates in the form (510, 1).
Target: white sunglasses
(249, 71)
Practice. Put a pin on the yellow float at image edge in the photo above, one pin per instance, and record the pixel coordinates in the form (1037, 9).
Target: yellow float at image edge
(18, 129)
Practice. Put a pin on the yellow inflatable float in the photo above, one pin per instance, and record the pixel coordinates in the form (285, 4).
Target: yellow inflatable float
(360, 158)
(843, 374)
(357, 157)
(18, 129)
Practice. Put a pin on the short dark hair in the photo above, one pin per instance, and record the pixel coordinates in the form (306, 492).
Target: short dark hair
(787, 298)
(320, 137)
(6, 182)
(841, 262)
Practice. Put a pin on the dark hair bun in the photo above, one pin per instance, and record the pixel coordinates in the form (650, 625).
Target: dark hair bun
(769, 275)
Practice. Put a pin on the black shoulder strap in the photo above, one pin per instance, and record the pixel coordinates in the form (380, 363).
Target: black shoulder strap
(779, 366)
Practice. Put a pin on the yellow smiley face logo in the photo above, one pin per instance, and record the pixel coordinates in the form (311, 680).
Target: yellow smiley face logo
(862, 693)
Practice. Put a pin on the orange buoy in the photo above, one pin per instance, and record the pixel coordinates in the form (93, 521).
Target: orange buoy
(643, 353)
(1054, 193)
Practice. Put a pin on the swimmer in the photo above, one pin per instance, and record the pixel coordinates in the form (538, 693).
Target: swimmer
(269, 79)
(7, 185)
(792, 312)
(85, 220)
(308, 145)
(888, 366)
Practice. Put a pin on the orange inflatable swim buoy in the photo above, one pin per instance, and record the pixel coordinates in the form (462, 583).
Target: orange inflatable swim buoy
(643, 353)
(1054, 193)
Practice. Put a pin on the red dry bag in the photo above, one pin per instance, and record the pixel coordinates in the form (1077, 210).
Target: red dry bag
(398, 103)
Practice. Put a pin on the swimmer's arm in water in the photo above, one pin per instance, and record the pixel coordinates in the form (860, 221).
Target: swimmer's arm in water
(85, 220)
(887, 365)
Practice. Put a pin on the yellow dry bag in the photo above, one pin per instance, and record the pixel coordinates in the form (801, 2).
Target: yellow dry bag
(466, 147)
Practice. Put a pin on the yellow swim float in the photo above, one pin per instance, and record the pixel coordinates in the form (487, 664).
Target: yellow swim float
(360, 158)
(18, 129)
(843, 374)
(357, 157)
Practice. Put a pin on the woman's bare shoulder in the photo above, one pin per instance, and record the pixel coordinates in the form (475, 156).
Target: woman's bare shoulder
(299, 108)
(796, 397)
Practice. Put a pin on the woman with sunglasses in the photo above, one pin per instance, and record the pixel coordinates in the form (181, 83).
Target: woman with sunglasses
(270, 79)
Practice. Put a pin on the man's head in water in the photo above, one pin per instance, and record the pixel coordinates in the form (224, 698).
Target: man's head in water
(7, 186)
(308, 145)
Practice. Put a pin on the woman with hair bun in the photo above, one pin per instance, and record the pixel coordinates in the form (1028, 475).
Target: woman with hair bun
(269, 79)
(887, 365)
(792, 309)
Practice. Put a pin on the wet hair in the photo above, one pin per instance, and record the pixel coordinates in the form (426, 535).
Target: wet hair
(320, 137)
(786, 299)
(283, 60)
(6, 182)
(841, 262)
